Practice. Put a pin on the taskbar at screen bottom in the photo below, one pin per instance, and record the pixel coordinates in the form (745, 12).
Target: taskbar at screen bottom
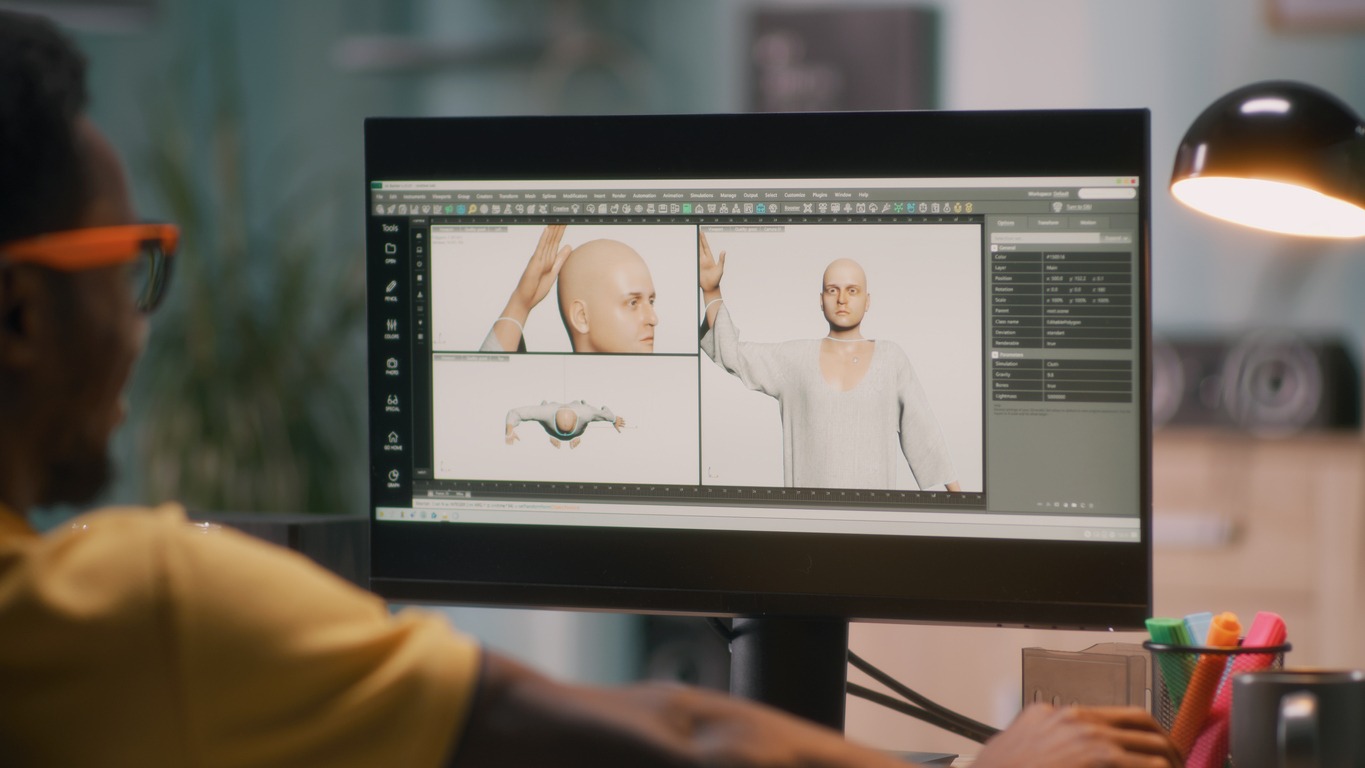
(1051, 527)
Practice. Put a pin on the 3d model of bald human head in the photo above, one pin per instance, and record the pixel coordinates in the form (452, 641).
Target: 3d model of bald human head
(843, 295)
(566, 420)
(561, 421)
(606, 298)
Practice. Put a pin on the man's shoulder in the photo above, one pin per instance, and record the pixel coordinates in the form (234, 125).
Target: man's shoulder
(131, 519)
(215, 575)
(787, 348)
(894, 360)
(114, 531)
(126, 547)
(784, 353)
(892, 350)
(92, 571)
(796, 346)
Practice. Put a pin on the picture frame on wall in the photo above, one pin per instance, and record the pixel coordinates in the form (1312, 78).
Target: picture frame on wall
(1317, 15)
(829, 59)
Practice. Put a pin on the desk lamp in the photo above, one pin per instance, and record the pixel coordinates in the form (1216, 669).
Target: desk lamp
(1280, 156)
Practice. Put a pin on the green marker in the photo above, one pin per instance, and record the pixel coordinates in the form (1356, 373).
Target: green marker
(1175, 667)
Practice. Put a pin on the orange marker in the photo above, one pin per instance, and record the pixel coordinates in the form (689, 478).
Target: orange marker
(1194, 708)
(1210, 750)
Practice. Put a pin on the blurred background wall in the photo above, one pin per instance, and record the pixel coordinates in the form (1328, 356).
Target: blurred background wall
(294, 81)
(245, 116)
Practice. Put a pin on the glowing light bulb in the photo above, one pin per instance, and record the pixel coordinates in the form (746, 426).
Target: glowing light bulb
(1274, 206)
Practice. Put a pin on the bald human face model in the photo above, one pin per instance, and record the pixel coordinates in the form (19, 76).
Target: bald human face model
(606, 297)
(843, 295)
(565, 420)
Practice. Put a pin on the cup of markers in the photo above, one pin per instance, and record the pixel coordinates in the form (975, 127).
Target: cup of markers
(1193, 696)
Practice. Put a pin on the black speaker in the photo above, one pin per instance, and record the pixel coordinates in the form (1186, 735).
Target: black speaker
(1265, 382)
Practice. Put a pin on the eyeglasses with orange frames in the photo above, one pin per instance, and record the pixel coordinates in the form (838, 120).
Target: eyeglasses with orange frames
(148, 249)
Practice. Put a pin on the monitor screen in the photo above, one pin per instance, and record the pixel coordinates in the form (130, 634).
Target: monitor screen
(869, 366)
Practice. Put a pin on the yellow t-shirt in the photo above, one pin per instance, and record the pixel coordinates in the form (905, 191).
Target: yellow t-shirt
(134, 638)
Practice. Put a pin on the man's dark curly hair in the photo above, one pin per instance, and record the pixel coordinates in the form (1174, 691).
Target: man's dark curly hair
(43, 184)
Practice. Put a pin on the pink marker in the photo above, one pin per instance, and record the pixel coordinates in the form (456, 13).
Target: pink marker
(1210, 749)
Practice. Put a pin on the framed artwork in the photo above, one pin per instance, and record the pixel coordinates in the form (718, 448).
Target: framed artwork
(1320, 15)
(802, 60)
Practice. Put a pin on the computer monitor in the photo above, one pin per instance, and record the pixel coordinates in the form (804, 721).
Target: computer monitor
(918, 393)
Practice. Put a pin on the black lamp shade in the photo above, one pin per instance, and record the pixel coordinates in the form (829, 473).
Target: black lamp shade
(1278, 131)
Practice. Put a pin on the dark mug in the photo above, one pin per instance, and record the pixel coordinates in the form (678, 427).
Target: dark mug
(1299, 718)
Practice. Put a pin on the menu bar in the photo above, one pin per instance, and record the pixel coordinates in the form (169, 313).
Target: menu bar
(581, 185)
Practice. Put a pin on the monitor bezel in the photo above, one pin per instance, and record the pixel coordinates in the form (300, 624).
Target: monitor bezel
(1094, 585)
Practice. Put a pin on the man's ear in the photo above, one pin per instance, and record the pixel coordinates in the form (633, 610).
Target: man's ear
(23, 297)
(578, 315)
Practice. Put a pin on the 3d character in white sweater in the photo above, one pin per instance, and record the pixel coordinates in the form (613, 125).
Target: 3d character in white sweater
(561, 421)
(846, 401)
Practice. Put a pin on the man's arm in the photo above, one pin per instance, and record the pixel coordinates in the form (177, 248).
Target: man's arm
(605, 414)
(710, 269)
(535, 284)
(523, 718)
(1081, 737)
(525, 413)
(921, 438)
(761, 367)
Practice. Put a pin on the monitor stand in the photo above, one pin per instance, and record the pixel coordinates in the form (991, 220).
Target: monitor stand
(798, 665)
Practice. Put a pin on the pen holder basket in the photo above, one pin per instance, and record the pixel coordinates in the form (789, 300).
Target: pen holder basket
(1175, 666)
